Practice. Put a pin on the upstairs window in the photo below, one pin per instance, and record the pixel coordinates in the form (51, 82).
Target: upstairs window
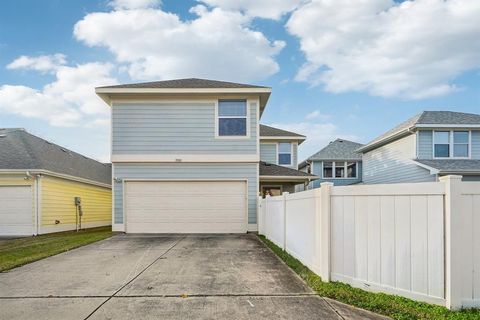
(460, 144)
(232, 118)
(327, 169)
(285, 153)
(351, 169)
(340, 170)
(451, 144)
(442, 144)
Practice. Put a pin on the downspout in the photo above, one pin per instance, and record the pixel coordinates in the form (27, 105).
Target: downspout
(37, 204)
(36, 177)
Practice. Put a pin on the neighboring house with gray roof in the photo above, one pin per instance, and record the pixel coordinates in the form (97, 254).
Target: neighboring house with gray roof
(426, 146)
(197, 145)
(39, 181)
(338, 162)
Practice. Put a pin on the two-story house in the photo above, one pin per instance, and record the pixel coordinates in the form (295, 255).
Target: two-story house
(338, 162)
(186, 156)
(426, 146)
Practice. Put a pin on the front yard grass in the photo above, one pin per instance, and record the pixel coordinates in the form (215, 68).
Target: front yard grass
(389, 305)
(17, 252)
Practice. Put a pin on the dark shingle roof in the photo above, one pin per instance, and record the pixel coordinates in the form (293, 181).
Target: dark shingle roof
(434, 118)
(267, 131)
(23, 151)
(448, 117)
(270, 169)
(340, 149)
(190, 83)
(453, 165)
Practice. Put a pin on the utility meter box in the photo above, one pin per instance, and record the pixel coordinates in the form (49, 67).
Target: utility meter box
(78, 201)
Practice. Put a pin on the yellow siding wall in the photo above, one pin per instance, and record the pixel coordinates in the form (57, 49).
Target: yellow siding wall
(15, 180)
(58, 204)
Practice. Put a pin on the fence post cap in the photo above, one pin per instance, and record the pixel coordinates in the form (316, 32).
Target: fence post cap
(450, 177)
(326, 184)
(285, 193)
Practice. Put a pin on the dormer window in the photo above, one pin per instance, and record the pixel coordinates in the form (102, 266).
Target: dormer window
(451, 144)
(232, 118)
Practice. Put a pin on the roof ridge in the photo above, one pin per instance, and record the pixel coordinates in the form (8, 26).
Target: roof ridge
(180, 80)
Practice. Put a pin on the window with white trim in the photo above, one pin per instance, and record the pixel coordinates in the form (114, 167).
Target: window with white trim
(461, 140)
(232, 118)
(340, 169)
(451, 144)
(327, 169)
(285, 153)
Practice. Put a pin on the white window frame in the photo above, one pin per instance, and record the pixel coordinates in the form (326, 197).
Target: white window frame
(247, 120)
(344, 169)
(451, 144)
(291, 154)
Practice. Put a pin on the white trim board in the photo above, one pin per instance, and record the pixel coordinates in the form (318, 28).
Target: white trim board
(181, 158)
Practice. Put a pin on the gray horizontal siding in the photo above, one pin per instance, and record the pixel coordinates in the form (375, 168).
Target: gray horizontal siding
(393, 163)
(317, 169)
(175, 128)
(185, 171)
(268, 152)
(476, 144)
(425, 146)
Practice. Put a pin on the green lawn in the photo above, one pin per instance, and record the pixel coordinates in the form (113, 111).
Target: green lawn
(389, 305)
(17, 252)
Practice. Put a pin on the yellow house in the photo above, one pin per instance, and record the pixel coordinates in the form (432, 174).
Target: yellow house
(46, 188)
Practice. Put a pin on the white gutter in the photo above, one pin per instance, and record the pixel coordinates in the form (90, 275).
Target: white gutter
(54, 174)
(283, 138)
(296, 178)
(434, 126)
(182, 90)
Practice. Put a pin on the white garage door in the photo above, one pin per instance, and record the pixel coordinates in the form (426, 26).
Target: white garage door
(186, 207)
(16, 210)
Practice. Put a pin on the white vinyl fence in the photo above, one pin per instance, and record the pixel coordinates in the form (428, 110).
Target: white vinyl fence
(418, 240)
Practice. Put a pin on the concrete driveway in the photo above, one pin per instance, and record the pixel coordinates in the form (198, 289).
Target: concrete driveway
(165, 277)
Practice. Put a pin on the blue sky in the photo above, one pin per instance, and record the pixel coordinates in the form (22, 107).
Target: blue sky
(352, 75)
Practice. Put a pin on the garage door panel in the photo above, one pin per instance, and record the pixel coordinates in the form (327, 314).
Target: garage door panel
(186, 206)
(16, 210)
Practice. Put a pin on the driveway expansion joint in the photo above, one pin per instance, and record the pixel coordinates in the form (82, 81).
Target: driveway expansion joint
(185, 295)
(135, 277)
(333, 308)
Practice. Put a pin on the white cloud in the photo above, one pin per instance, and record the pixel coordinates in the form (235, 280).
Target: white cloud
(270, 9)
(70, 100)
(155, 44)
(318, 135)
(316, 115)
(134, 4)
(44, 64)
(412, 49)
